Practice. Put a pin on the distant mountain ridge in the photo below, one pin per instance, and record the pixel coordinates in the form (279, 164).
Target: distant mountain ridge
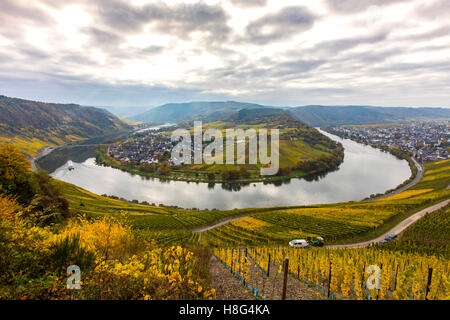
(124, 112)
(347, 115)
(313, 115)
(33, 124)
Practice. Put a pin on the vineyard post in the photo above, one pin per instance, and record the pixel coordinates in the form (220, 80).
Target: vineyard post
(395, 279)
(285, 277)
(268, 266)
(232, 261)
(378, 293)
(329, 281)
(430, 274)
(362, 276)
(239, 260)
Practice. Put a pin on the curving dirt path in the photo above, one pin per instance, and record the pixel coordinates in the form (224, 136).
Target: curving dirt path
(397, 229)
(220, 223)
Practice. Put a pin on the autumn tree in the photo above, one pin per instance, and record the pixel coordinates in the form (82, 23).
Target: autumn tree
(15, 173)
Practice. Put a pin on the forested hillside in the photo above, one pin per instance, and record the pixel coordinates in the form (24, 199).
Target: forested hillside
(267, 117)
(30, 125)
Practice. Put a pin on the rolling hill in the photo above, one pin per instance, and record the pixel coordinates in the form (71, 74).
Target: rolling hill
(206, 111)
(31, 125)
(269, 117)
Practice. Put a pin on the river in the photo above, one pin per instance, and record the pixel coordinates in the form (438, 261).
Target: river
(364, 171)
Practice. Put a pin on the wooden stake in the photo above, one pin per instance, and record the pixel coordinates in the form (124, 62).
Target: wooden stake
(430, 274)
(285, 277)
(329, 282)
(395, 280)
(378, 294)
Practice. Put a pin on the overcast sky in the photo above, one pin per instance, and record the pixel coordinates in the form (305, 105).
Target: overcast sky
(284, 53)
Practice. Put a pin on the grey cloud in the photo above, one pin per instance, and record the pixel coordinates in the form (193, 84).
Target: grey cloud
(415, 67)
(34, 53)
(370, 57)
(296, 67)
(77, 59)
(353, 6)
(434, 9)
(264, 73)
(102, 37)
(249, 3)
(435, 33)
(152, 50)
(16, 14)
(336, 46)
(179, 20)
(281, 25)
(13, 9)
(25, 52)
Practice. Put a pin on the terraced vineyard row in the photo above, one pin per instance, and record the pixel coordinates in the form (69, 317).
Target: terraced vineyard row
(346, 274)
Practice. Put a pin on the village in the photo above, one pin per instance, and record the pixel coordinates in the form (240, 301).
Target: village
(149, 146)
(426, 141)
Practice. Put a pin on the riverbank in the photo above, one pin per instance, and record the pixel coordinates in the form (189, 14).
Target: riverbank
(42, 153)
(412, 181)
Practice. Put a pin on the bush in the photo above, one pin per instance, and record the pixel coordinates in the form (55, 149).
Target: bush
(70, 251)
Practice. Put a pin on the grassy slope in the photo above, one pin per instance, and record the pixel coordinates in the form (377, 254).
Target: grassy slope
(342, 222)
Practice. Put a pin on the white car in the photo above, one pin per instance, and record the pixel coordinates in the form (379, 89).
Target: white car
(299, 243)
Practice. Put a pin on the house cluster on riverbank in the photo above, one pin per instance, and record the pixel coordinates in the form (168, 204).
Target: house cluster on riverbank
(147, 147)
(427, 141)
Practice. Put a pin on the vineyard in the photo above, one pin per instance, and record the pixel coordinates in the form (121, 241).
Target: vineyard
(430, 235)
(338, 274)
(337, 223)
